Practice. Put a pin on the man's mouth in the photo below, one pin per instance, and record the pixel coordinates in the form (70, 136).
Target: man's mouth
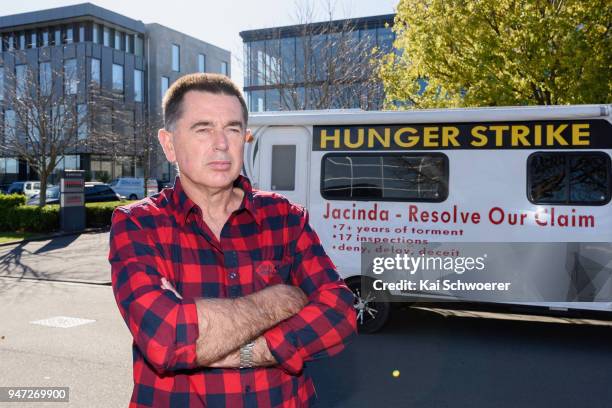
(220, 164)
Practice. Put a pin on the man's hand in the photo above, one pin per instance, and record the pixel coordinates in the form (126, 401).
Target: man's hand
(166, 285)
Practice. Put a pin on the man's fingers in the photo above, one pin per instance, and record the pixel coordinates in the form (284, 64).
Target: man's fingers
(166, 285)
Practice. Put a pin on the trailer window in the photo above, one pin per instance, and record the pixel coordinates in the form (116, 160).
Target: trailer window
(283, 168)
(385, 177)
(569, 178)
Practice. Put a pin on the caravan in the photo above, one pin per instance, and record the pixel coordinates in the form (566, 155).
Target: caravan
(522, 175)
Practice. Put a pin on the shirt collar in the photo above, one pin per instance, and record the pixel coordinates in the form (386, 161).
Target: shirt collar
(183, 205)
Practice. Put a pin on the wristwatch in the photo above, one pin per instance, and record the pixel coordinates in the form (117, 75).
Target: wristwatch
(246, 355)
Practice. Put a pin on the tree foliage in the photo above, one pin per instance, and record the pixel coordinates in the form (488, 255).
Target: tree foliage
(499, 53)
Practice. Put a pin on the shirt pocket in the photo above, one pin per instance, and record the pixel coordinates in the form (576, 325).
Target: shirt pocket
(271, 272)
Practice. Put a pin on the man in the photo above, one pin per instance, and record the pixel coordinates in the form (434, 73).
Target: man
(226, 290)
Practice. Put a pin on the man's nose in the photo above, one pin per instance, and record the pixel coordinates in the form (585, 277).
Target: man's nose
(220, 140)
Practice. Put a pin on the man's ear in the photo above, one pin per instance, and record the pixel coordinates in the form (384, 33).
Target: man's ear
(248, 136)
(166, 141)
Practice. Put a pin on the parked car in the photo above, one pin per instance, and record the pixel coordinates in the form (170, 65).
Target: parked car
(130, 187)
(94, 193)
(28, 188)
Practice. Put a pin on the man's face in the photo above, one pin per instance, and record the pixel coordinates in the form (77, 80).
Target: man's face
(208, 139)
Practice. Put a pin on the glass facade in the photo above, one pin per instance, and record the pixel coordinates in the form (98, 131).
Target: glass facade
(316, 66)
(101, 70)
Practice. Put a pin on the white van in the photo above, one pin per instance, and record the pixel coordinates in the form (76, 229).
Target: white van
(130, 187)
(516, 175)
(28, 188)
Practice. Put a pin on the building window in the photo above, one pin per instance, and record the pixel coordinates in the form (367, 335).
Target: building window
(165, 84)
(33, 40)
(118, 41)
(22, 41)
(83, 127)
(69, 35)
(385, 39)
(224, 70)
(70, 76)
(45, 78)
(283, 168)
(387, 176)
(1, 83)
(287, 60)
(138, 45)
(272, 100)
(21, 79)
(95, 33)
(118, 78)
(257, 99)
(57, 40)
(176, 53)
(138, 85)
(11, 42)
(569, 178)
(128, 43)
(9, 165)
(95, 70)
(81, 32)
(45, 38)
(33, 130)
(9, 124)
(201, 63)
(107, 37)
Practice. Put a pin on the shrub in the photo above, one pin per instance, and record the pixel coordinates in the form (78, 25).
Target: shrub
(28, 218)
(99, 214)
(11, 200)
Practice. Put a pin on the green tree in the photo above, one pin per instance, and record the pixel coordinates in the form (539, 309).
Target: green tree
(499, 52)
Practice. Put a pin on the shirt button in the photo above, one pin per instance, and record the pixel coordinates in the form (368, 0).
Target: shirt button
(233, 275)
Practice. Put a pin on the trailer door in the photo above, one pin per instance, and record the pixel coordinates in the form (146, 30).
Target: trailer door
(284, 162)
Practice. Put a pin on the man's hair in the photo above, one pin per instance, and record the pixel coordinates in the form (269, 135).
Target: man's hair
(204, 82)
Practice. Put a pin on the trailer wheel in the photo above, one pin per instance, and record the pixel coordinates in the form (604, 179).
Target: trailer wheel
(372, 306)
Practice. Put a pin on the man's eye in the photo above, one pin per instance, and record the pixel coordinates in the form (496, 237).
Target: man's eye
(234, 130)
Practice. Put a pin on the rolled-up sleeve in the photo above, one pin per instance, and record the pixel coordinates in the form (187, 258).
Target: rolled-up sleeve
(164, 328)
(323, 327)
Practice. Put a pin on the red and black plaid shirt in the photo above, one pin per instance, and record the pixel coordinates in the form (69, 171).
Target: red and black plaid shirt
(266, 241)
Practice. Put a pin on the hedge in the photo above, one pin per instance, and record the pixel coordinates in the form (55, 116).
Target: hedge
(11, 200)
(99, 214)
(28, 218)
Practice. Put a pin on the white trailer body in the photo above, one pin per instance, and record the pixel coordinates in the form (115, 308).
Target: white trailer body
(514, 175)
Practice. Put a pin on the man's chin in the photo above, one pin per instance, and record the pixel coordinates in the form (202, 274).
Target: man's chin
(220, 181)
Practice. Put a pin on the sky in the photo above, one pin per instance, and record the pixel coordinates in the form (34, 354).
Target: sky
(218, 21)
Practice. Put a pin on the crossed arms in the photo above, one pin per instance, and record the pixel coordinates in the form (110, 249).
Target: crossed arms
(227, 324)
(289, 324)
